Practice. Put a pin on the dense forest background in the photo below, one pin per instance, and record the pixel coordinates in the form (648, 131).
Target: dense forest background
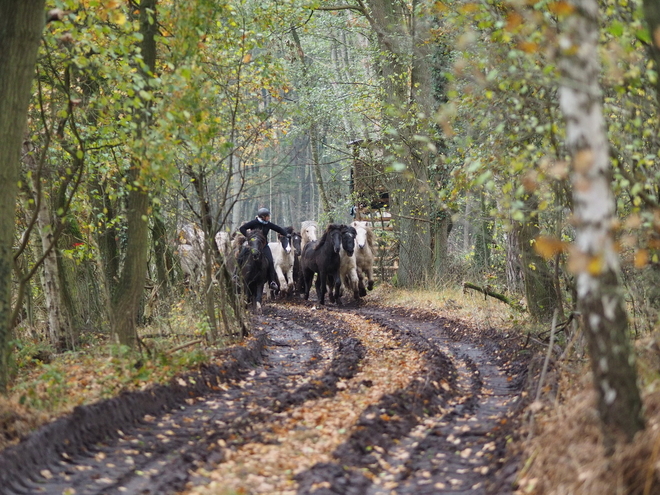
(154, 125)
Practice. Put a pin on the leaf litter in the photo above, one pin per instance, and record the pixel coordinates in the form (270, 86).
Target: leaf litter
(356, 400)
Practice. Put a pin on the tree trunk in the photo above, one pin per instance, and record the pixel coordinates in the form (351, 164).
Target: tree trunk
(316, 162)
(405, 40)
(652, 16)
(107, 233)
(441, 228)
(126, 300)
(514, 270)
(159, 241)
(538, 279)
(594, 258)
(21, 24)
(50, 280)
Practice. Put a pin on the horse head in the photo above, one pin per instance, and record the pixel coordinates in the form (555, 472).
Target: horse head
(296, 240)
(348, 235)
(285, 240)
(256, 242)
(308, 231)
(361, 237)
(333, 235)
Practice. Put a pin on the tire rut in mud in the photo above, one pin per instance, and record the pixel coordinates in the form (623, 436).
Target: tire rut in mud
(451, 445)
(154, 452)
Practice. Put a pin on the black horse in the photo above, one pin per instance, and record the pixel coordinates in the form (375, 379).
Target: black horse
(322, 257)
(253, 268)
(299, 282)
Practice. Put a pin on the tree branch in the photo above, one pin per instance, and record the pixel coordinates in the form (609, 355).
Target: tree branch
(500, 297)
(356, 8)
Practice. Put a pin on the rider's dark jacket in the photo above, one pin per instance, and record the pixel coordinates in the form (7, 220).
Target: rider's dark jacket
(259, 224)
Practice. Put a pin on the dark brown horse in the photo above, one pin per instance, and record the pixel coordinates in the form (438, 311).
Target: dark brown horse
(322, 257)
(254, 268)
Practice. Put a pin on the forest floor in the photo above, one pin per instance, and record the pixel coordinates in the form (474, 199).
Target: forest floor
(393, 395)
(362, 399)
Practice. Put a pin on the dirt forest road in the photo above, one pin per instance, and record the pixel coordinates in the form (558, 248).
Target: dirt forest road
(355, 400)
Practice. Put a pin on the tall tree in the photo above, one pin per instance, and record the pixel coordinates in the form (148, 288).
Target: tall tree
(126, 300)
(21, 25)
(403, 38)
(594, 259)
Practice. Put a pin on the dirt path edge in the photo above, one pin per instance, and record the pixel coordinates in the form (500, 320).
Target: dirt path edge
(101, 421)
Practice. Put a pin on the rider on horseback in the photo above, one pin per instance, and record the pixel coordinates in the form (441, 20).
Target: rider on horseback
(262, 222)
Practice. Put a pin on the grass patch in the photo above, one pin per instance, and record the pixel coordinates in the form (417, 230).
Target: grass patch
(48, 385)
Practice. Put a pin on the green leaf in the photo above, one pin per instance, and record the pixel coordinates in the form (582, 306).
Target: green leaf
(615, 29)
(643, 35)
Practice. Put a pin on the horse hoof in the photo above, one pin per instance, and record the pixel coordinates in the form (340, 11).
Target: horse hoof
(370, 286)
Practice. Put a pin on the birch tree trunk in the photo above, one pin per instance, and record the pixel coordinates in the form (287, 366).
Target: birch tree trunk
(594, 259)
(21, 24)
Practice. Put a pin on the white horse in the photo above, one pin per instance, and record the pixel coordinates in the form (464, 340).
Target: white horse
(308, 231)
(283, 260)
(364, 255)
(190, 250)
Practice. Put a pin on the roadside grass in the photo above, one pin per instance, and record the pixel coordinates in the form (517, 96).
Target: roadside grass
(563, 448)
(48, 385)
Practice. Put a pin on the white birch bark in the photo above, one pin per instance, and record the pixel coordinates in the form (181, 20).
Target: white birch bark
(594, 258)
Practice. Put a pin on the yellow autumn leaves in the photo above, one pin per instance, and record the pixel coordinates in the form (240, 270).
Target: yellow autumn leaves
(580, 262)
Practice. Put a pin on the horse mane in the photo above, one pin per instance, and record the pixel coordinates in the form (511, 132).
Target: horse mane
(289, 231)
(324, 237)
(307, 223)
(371, 237)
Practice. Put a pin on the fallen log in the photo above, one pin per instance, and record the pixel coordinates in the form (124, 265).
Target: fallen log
(500, 297)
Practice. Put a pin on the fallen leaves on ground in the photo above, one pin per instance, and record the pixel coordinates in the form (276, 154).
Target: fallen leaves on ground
(308, 434)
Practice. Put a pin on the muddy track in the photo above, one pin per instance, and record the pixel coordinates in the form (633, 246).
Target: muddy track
(442, 429)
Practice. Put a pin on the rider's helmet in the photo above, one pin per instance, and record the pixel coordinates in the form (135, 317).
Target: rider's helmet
(263, 212)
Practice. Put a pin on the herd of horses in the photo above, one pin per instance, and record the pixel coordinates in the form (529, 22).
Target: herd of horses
(342, 258)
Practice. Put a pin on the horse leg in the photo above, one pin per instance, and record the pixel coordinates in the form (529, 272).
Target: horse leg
(370, 275)
(330, 286)
(308, 275)
(353, 283)
(320, 287)
(281, 279)
(257, 298)
(362, 291)
(337, 289)
(289, 277)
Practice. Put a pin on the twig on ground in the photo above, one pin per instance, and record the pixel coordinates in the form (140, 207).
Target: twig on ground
(536, 405)
(183, 346)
